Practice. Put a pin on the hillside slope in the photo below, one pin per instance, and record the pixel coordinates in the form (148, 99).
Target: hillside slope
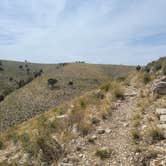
(14, 75)
(37, 97)
(114, 124)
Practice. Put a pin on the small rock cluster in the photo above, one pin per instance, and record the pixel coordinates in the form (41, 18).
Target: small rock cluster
(160, 86)
(162, 117)
(160, 160)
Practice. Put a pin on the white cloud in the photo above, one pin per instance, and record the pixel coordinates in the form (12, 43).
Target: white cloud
(99, 31)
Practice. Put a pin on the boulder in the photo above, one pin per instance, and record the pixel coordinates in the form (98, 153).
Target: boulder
(160, 88)
(162, 126)
(92, 139)
(100, 131)
(163, 79)
(163, 118)
(161, 111)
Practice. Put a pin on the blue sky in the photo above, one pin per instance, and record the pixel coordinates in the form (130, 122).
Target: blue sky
(95, 31)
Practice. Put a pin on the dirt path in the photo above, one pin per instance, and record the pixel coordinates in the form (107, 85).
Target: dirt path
(116, 137)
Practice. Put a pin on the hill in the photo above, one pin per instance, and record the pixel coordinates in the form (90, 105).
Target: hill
(14, 75)
(157, 66)
(121, 121)
(36, 97)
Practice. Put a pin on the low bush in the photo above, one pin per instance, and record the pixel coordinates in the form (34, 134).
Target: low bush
(1, 98)
(1, 145)
(118, 91)
(76, 117)
(24, 138)
(10, 78)
(164, 69)
(84, 128)
(155, 134)
(82, 103)
(51, 82)
(51, 149)
(70, 83)
(1, 68)
(146, 78)
(20, 67)
(135, 135)
(105, 87)
(157, 66)
(13, 136)
(103, 153)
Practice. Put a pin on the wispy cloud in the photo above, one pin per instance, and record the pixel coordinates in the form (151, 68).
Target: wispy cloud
(97, 31)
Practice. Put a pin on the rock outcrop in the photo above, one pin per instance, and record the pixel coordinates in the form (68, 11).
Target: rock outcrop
(160, 86)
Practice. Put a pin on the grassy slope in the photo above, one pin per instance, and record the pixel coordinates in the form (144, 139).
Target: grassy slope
(12, 70)
(36, 97)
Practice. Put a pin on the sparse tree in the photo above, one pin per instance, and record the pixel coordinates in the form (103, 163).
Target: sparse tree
(51, 82)
(28, 71)
(70, 83)
(1, 68)
(10, 78)
(20, 83)
(1, 98)
(26, 65)
(20, 67)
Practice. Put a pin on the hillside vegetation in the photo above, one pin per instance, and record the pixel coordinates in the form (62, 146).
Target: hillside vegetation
(14, 75)
(104, 121)
(37, 96)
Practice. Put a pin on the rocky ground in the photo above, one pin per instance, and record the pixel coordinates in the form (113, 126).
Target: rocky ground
(111, 134)
(111, 143)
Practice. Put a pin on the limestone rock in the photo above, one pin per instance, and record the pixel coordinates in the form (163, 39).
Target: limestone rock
(161, 111)
(92, 139)
(160, 88)
(163, 118)
(108, 130)
(162, 126)
(100, 131)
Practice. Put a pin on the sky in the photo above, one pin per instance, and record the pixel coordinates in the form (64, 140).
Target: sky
(96, 31)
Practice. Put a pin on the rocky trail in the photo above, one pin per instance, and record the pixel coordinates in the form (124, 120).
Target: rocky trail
(111, 134)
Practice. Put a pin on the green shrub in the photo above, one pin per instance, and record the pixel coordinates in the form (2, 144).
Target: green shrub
(155, 134)
(146, 78)
(157, 66)
(51, 149)
(60, 111)
(118, 91)
(32, 148)
(55, 125)
(105, 87)
(164, 69)
(13, 136)
(84, 128)
(103, 153)
(82, 104)
(24, 138)
(121, 79)
(135, 135)
(42, 121)
(1, 145)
